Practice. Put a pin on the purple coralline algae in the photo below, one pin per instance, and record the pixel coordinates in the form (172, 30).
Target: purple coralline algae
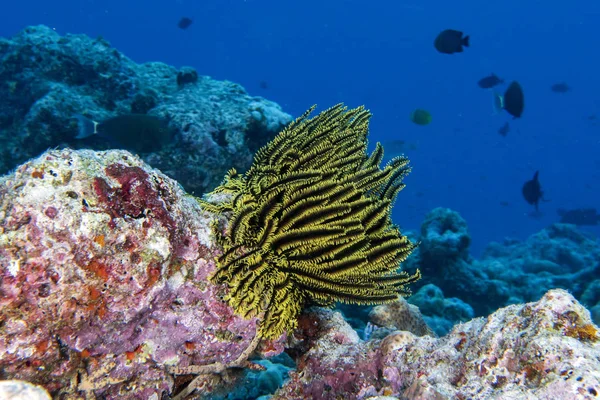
(48, 79)
(543, 350)
(103, 280)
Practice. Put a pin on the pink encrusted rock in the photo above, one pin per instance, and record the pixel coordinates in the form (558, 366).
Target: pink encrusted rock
(543, 350)
(103, 278)
(400, 315)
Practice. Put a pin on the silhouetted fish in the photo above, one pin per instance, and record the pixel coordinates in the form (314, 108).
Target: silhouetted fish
(451, 41)
(138, 132)
(420, 117)
(560, 88)
(504, 129)
(396, 147)
(184, 23)
(490, 81)
(579, 216)
(514, 101)
(532, 191)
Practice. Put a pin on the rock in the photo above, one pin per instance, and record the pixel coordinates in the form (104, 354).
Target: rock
(103, 274)
(444, 236)
(546, 349)
(186, 76)
(400, 315)
(511, 272)
(441, 313)
(21, 390)
(51, 78)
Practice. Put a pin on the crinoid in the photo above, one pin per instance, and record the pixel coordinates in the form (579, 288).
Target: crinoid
(309, 223)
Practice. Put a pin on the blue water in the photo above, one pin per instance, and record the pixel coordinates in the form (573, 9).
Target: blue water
(381, 54)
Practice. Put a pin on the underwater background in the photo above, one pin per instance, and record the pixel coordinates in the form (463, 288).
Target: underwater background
(482, 245)
(381, 54)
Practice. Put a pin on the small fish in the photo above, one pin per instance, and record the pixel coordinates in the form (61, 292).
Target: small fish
(579, 216)
(504, 129)
(184, 23)
(398, 146)
(498, 102)
(513, 100)
(560, 88)
(451, 41)
(263, 84)
(489, 81)
(138, 132)
(420, 117)
(532, 191)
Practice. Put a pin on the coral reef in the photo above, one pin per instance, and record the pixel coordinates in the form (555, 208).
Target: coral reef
(546, 349)
(103, 275)
(558, 256)
(512, 272)
(440, 312)
(444, 237)
(50, 78)
(444, 259)
(310, 223)
(261, 383)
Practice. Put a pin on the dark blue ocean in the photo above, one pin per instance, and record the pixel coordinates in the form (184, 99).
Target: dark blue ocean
(381, 54)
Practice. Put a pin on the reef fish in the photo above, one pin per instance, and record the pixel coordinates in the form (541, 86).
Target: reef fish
(451, 41)
(490, 81)
(138, 132)
(513, 100)
(184, 23)
(504, 129)
(579, 216)
(398, 146)
(532, 191)
(420, 117)
(560, 88)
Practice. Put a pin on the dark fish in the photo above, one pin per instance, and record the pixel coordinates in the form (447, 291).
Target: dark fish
(184, 23)
(579, 216)
(532, 191)
(504, 129)
(451, 41)
(560, 88)
(398, 146)
(263, 85)
(489, 81)
(514, 100)
(420, 117)
(138, 132)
